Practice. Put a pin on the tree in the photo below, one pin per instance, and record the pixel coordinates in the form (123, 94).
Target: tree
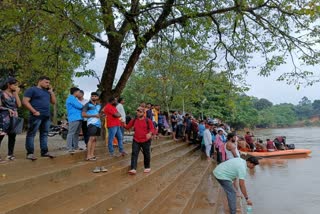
(169, 76)
(34, 43)
(232, 30)
(173, 77)
(262, 104)
(304, 101)
(304, 108)
(284, 115)
(244, 115)
(316, 107)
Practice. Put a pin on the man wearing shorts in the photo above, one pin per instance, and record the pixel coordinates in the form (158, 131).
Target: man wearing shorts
(174, 124)
(91, 110)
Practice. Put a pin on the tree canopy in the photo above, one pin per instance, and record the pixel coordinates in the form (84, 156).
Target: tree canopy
(233, 31)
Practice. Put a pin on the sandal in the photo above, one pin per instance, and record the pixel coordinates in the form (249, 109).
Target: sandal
(11, 157)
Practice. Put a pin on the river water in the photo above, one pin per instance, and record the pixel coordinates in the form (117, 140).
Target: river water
(288, 185)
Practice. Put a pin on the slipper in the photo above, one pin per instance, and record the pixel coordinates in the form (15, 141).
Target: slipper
(132, 172)
(103, 169)
(147, 170)
(96, 170)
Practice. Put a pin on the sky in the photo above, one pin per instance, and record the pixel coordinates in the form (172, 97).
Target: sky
(260, 87)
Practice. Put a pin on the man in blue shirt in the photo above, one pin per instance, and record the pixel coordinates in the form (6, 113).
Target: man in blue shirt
(37, 100)
(74, 111)
(226, 172)
(91, 110)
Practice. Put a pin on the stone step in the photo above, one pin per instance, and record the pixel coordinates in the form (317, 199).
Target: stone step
(91, 199)
(205, 198)
(71, 182)
(131, 198)
(176, 196)
(20, 170)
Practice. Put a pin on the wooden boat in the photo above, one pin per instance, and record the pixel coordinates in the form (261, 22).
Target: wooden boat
(279, 153)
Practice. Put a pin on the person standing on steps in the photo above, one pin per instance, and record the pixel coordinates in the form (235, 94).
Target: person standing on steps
(84, 125)
(143, 131)
(173, 119)
(9, 103)
(74, 111)
(113, 125)
(207, 138)
(228, 171)
(37, 100)
(92, 111)
(121, 110)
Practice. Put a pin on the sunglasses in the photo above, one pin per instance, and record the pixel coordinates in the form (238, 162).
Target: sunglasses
(139, 110)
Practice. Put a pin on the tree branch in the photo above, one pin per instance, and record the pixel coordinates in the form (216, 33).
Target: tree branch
(79, 28)
(87, 33)
(108, 18)
(158, 25)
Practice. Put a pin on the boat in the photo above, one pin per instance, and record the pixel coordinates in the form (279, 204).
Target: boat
(279, 153)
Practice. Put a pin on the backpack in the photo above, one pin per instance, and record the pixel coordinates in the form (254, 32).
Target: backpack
(148, 127)
(147, 121)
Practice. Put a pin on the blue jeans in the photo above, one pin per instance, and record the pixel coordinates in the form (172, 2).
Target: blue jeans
(35, 123)
(114, 132)
(231, 194)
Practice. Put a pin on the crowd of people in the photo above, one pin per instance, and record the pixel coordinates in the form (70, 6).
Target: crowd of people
(216, 139)
(248, 144)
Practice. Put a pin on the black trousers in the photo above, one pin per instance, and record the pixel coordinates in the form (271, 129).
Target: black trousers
(11, 142)
(85, 132)
(145, 148)
(219, 156)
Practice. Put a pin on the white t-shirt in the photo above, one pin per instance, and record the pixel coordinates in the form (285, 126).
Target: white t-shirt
(121, 112)
(207, 137)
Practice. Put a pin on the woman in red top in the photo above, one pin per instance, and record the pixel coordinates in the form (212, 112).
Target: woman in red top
(143, 131)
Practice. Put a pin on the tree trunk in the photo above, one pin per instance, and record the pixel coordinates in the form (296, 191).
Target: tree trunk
(110, 71)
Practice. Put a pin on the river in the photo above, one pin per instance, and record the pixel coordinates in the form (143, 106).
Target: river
(288, 185)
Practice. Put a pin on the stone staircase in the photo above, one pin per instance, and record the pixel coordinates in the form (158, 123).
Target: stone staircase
(181, 181)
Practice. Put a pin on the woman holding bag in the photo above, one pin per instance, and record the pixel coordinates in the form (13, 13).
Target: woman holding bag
(9, 103)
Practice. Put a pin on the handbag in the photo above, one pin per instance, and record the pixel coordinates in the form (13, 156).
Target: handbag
(16, 125)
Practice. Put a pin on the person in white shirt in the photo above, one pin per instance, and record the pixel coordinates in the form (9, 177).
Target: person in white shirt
(121, 111)
(207, 138)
